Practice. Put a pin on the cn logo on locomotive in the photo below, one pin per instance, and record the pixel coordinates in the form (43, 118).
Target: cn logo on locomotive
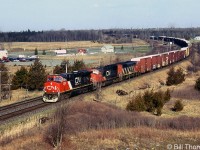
(54, 88)
(107, 73)
(77, 80)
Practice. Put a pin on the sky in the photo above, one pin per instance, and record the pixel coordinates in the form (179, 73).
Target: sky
(21, 15)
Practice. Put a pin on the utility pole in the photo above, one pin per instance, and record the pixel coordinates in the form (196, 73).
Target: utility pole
(66, 67)
(4, 84)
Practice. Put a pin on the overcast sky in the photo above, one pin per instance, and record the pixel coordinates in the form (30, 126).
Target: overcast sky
(19, 15)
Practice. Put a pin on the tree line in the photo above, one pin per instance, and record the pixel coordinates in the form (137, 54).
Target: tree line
(104, 35)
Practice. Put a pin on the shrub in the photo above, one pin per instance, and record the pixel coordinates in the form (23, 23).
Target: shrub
(180, 76)
(150, 101)
(137, 104)
(167, 96)
(171, 77)
(159, 111)
(178, 106)
(175, 77)
(197, 84)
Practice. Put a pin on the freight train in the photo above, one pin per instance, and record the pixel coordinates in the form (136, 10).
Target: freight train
(62, 86)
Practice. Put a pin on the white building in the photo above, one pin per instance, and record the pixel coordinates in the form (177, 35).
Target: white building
(197, 38)
(60, 52)
(3, 53)
(107, 49)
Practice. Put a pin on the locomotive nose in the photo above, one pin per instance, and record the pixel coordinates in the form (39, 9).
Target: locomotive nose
(51, 87)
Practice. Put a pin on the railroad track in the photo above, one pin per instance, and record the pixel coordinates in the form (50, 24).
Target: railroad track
(17, 109)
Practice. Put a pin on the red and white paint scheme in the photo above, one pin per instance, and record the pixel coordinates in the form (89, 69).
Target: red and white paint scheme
(54, 86)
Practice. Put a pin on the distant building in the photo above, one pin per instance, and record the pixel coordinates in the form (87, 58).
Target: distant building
(107, 49)
(60, 52)
(3, 54)
(197, 38)
(82, 51)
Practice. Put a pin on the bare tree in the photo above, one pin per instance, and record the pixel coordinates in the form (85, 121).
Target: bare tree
(55, 132)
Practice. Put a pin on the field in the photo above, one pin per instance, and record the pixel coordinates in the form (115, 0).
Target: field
(29, 46)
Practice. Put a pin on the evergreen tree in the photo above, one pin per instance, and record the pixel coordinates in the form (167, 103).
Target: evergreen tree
(78, 65)
(20, 79)
(122, 47)
(36, 52)
(43, 52)
(62, 67)
(36, 76)
(57, 70)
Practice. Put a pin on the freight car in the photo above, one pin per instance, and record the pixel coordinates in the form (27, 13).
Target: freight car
(64, 85)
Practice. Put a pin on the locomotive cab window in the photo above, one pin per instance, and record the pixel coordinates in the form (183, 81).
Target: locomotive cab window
(50, 78)
(58, 79)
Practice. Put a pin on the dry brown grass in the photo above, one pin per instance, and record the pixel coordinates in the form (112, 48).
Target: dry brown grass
(68, 45)
(133, 138)
(111, 124)
(19, 95)
(29, 141)
(122, 138)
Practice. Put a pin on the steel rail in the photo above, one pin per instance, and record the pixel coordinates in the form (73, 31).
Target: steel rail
(22, 111)
(20, 103)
